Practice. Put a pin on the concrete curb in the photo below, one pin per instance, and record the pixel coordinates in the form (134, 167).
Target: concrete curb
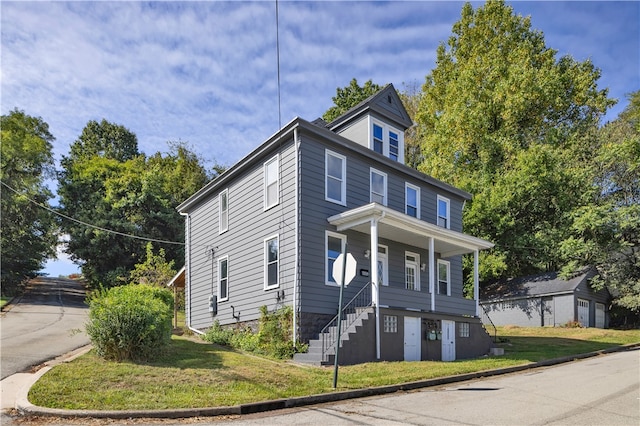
(24, 407)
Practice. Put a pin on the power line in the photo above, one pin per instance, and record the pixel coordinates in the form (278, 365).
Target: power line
(90, 225)
(278, 65)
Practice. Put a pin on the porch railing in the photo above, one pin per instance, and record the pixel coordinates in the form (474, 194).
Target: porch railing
(495, 330)
(350, 314)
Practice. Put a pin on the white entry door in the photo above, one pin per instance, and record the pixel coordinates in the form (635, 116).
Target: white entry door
(412, 339)
(448, 340)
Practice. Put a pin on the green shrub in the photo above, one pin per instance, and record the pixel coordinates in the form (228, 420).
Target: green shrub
(273, 339)
(131, 322)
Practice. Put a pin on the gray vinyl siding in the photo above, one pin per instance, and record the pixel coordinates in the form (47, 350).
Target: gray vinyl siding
(243, 244)
(357, 132)
(315, 295)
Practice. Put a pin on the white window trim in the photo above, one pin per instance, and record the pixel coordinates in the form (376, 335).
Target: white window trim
(343, 182)
(343, 240)
(373, 171)
(222, 229)
(266, 262)
(386, 128)
(384, 257)
(275, 159)
(416, 264)
(448, 265)
(408, 186)
(448, 202)
(220, 260)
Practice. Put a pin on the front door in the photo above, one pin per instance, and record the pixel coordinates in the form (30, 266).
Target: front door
(448, 340)
(412, 339)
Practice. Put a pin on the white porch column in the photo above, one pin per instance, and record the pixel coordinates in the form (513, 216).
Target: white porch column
(375, 288)
(476, 282)
(432, 273)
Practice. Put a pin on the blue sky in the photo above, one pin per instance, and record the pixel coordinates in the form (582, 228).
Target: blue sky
(206, 72)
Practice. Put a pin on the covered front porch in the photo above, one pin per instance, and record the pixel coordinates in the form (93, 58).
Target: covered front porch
(381, 222)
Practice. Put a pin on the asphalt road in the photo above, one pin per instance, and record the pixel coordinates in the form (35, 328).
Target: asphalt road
(44, 323)
(604, 390)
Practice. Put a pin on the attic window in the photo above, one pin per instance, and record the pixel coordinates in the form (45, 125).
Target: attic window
(389, 98)
(387, 141)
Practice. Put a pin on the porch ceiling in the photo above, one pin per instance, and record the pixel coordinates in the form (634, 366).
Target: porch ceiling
(396, 226)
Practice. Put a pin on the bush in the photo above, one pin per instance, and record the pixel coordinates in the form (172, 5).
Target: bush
(273, 339)
(131, 322)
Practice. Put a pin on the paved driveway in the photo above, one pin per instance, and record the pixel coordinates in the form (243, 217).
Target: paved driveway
(46, 322)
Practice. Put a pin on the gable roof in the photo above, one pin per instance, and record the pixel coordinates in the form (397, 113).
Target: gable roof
(385, 103)
(548, 283)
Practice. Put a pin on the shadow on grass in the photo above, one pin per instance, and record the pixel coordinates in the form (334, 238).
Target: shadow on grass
(545, 348)
(185, 353)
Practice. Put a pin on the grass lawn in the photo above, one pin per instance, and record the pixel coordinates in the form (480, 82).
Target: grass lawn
(4, 301)
(194, 374)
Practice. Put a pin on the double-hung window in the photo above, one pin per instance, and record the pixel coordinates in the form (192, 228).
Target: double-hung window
(223, 278)
(223, 207)
(378, 186)
(335, 177)
(443, 212)
(387, 141)
(444, 281)
(271, 184)
(334, 246)
(412, 200)
(271, 263)
(412, 271)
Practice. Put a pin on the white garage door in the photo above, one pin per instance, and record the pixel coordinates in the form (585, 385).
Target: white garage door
(583, 312)
(599, 315)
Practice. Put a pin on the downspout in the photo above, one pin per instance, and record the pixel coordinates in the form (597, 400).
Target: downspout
(375, 280)
(296, 271)
(187, 272)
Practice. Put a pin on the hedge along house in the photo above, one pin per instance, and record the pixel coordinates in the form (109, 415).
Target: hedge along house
(268, 230)
(546, 300)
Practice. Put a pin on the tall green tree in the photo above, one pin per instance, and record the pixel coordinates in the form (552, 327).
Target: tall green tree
(348, 97)
(501, 114)
(29, 233)
(606, 231)
(107, 183)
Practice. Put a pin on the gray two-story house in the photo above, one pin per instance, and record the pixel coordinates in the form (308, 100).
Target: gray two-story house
(269, 229)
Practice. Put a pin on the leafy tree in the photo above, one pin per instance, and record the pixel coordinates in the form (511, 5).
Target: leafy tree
(116, 188)
(29, 233)
(348, 97)
(606, 232)
(155, 270)
(503, 118)
(411, 96)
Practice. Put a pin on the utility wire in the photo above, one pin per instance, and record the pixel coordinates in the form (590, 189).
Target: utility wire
(111, 231)
(278, 64)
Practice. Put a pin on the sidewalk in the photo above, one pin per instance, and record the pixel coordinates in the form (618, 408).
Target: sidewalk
(16, 388)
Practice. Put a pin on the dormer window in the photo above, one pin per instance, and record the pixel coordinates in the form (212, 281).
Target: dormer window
(387, 141)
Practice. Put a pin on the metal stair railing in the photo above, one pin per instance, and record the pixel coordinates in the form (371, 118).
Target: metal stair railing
(350, 314)
(495, 330)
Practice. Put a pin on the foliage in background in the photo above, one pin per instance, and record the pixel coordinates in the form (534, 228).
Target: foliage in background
(348, 97)
(506, 120)
(131, 322)
(155, 270)
(29, 233)
(273, 339)
(105, 181)
(606, 232)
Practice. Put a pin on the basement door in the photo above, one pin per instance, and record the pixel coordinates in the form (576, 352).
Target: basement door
(448, 340)
(412, 339)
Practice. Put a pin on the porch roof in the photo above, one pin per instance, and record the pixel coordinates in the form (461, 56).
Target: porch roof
(397, 226)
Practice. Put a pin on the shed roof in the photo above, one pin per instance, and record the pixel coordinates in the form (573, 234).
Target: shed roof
(544, 284)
